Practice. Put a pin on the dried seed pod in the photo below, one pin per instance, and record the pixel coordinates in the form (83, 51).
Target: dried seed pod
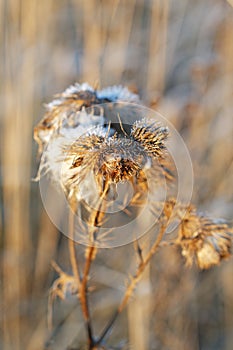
(151, 136)
(82, 155)
(120, 159)
(80, 158)
(203, 239)
(109, 159)
(65, 110)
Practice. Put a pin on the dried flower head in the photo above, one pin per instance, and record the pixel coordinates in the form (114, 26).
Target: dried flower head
(205, 240)
(83, 155)
(120, 159)
(151, 135)
(109, 159)
(114, 159)
(56, 158)
(65, 110)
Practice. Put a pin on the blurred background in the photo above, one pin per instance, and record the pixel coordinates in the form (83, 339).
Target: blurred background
(178, 55)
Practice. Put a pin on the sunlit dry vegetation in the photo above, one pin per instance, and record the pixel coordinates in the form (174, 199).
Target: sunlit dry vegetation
(178, 57)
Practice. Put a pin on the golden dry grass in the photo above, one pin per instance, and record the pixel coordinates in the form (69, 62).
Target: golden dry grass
(179, 56)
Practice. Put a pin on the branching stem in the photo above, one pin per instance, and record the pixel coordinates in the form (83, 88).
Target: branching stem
(94, 222)
(132, 285)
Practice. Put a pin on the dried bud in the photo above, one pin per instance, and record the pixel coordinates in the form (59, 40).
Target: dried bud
(151, 136)
(120, 159)
(203, 239)
(110, 159)
(65, 110)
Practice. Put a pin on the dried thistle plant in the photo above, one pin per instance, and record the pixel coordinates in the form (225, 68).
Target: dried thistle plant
(88, 157)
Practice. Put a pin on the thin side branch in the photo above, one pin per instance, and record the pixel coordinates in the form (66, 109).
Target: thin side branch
(132, 285)
(140, 270)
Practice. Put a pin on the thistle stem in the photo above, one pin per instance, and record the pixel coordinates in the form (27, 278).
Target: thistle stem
(72, 252)
(132, 285)
(81, 282)
(94, 221)
(83, 296)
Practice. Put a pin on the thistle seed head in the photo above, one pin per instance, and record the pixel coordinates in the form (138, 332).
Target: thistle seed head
(151, 136)
(120, 159)
(78, 148)
(68, 109)
(204, 240)
(110, 159)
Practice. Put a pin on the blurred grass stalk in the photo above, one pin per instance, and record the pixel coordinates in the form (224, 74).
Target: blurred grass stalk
(139, 310)
(18, 93)
(158, 46)
(227, 280)
(28, 26)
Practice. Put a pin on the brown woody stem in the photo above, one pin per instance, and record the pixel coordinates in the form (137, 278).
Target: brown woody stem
(72, 252)
(81, 282)
(136, 278)
(94, 221)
